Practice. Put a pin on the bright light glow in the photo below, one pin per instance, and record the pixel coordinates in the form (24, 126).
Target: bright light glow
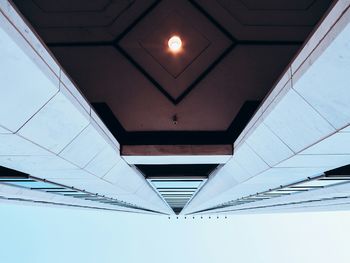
(175, 44)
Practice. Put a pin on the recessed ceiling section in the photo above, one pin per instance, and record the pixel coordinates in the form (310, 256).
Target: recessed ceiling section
(275, 13)
(79, 20)
(203, 44)
(270, 20)
(233, 51)
(296, 5)
(156, 44)
(177, 184)
(67, 6)
(178, 170)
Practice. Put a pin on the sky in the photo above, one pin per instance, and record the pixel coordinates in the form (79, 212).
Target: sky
(35, 234)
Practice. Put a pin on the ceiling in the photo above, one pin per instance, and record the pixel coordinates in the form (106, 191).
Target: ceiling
(234, 51)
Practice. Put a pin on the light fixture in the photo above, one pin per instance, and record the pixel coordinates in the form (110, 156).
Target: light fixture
(175, 44)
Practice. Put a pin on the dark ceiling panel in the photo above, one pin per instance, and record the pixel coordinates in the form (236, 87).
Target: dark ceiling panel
(271, 20)
(177, 137)
(79, 20)
(275, 13)
(67, 14)
(177, 170)
(78, 6)
(146, 44)
(278, 5)
(211, 106)
(234, 51)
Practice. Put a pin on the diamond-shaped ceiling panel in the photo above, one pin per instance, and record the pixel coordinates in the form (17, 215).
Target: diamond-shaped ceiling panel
(175, 74)
(156, 44)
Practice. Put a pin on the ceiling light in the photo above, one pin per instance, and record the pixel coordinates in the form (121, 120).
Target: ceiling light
(175, 44)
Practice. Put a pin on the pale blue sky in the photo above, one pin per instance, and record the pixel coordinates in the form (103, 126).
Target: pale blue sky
(50, 234)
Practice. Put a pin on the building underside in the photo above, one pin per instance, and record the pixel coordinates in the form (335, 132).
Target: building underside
(176, 107)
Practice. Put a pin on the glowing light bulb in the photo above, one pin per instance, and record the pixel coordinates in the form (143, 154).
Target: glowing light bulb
(175, 44)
